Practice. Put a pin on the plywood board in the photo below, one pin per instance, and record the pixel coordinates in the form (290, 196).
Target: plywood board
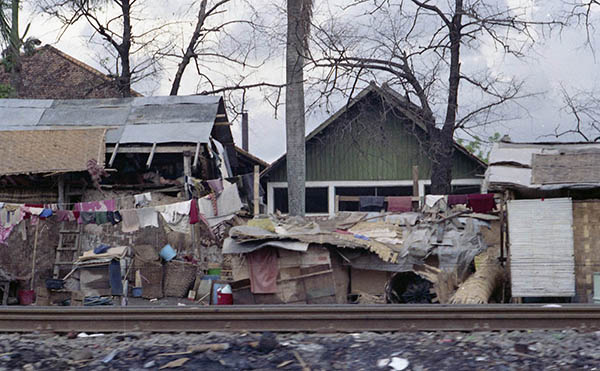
(541, 247)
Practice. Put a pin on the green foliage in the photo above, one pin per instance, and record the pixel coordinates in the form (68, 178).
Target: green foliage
(6, 91)
(479, 147)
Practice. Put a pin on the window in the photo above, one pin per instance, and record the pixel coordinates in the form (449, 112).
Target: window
(317, 201)
(368, 191)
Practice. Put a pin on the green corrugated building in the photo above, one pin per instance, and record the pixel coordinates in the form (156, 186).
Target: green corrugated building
(367, 148)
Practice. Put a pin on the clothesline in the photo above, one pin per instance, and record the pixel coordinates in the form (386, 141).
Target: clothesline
(115, 198)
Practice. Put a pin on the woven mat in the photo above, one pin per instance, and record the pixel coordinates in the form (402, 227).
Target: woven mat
(45, 151)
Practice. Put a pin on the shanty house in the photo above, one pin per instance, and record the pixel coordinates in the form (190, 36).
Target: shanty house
(66, 153)
(551, 193)
(367, 148)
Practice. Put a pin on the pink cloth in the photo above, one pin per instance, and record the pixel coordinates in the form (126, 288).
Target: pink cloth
(106, 205)
(263, 269)
(5, 233)
(481, 203)
(400, 204)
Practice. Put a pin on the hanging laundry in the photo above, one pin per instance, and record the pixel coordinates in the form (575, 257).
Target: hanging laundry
(431, 200)
(131, 223)
(5, 233)
(194, 215)
(216, 185)
(481, 203)
(148, 217)
(263, 269)
(170, 212)
(114, 217)
(143, 199)
(46, 213)
(399, 204)
(180, 224)
(457, 200)
(105, 205)
(87, 217)
(65, 216)
(371, 203)
(101, 217)
(228, 204)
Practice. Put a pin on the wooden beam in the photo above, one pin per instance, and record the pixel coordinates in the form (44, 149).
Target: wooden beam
(195, 165)
(187, 170)
(223, 123)
(61, 192)
(151, 156)
(147, 149)
(113, 156)
(256, 189)
(415, 176)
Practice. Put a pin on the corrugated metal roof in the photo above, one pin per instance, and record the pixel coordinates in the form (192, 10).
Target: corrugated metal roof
(187, 119)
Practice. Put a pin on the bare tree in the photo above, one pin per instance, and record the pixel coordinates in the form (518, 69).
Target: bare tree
(418, 47)
(113, 22)
(584, 107)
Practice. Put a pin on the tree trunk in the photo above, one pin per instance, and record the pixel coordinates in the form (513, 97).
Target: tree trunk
(191, 49)
(441, 147)
(15, 50)
(124, 82)
(442, 141)
(294, 109)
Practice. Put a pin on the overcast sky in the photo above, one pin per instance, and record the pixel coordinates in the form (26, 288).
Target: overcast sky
(558, 59)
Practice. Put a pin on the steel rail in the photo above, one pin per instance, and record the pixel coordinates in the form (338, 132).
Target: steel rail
(290, 318)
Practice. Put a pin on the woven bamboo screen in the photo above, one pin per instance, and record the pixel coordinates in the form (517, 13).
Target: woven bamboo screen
(46, 151)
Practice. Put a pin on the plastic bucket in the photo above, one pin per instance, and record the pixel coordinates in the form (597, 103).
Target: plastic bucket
(167, 253)
(26, 297)
(136, 292)
(224, 295)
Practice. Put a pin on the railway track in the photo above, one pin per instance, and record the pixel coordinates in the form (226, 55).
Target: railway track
(312, 318)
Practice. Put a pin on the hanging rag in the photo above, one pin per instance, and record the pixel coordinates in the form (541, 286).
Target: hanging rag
(263, 269)
(114, 274)
(143, 199)
(228, 204)
(131, 223)
(194, 215)
(101, 217)
(148, 217)
(457, 200)
(371, 203)
(64, 216)
(481, 203)
(216, 185)
(431, 200)
(114, 217)
(170, 212)
(400, 204)
(5, 233)
(87, 217)
(46, 213)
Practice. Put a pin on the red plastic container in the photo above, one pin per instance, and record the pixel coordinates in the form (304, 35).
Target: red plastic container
(26, 297)
(224, 296)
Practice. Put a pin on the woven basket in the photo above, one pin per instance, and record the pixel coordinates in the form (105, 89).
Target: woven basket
(152, 278)
(179, 278)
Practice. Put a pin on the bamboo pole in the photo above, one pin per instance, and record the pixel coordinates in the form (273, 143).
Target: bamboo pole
(35, 241)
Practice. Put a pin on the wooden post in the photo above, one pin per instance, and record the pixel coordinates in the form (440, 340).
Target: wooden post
(61, 192)
(415, 176)
(151, 156)
(187, 171)
(113, 156)
(35, 240)
(256, 189)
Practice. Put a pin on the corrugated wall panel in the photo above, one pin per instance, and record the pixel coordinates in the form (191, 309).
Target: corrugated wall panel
(542, 262)
(385, 151)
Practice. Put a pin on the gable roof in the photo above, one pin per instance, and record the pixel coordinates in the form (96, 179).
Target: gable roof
(392, 97)
(52, 74)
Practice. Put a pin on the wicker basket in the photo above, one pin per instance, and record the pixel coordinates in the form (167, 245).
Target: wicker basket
(179, 278)
(152, 278)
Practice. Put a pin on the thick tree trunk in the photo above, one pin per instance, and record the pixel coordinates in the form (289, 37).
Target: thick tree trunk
(294, 109)
(442, 141)
(441, 149)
